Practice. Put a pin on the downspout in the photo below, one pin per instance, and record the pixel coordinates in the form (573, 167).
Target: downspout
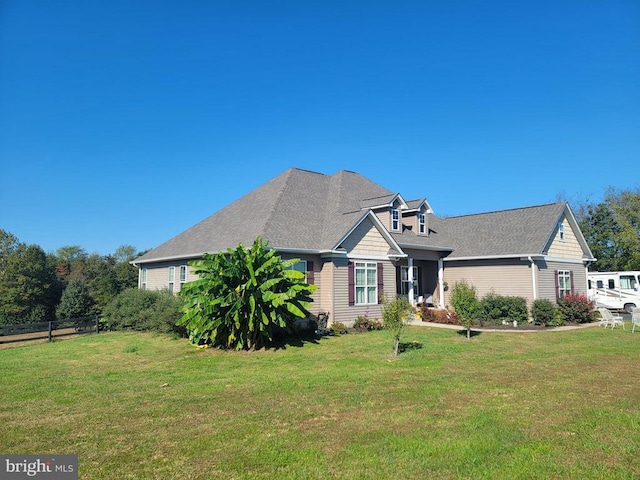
(533, 277)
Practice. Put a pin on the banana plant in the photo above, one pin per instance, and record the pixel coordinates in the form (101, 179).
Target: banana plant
(242, 297)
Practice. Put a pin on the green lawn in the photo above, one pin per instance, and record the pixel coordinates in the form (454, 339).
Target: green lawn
(501, 405)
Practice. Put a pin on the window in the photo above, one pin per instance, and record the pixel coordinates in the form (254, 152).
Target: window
(561, 231)
(422, 224)
(183, 275)
(172, 272)
(405, 283)
(366, 283)
(143, 278)
(564, 283)
(612, 284)
(301, 266)
(628, 282)
(395, 219)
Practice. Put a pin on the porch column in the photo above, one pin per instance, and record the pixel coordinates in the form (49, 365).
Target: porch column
(410, 279)
(441, 282)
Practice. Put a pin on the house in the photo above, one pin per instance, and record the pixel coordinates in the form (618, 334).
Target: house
(359, 242)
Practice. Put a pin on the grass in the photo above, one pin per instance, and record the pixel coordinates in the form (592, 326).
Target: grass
(501, 405)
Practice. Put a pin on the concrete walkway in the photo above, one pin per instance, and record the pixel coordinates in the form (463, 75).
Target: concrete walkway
(420, 323)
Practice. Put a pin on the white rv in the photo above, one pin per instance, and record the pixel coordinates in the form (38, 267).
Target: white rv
(614, 290)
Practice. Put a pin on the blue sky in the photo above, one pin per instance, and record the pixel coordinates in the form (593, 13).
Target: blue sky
(128, 121)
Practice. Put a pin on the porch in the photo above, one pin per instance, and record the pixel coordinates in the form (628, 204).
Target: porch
(420, 280)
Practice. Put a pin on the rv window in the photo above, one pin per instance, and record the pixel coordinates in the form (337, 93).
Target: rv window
(589, 285)
(612, 284)
(627, 282)
(599, 284)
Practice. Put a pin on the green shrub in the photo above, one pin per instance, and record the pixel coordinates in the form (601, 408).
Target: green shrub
(244, 297)
(365, 324)
(576, 309)
(466, 304)
(144, 310)
(543, 312)
(339, 328)
(465, 300)
(499, 308)
(558, 319)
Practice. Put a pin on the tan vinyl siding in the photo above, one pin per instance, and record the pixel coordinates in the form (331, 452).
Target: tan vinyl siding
(504, 277)
(158, 276)
(326, 293)
(412, 222)
(347, 314)
(567, 248)
(385, 218)
(366, 240)
(547, 279)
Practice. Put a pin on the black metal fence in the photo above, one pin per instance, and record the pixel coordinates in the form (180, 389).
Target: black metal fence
(48, 330)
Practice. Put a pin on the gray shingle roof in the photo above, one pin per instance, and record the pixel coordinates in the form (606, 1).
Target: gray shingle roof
(517, 231)
(304, 210)
(298, 209)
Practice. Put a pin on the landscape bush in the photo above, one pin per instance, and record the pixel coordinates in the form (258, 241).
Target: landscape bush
(576, 309)
(143, 310)
(544, 312)
(438, 315)
(466, 304)
(244, 298)
(366, 324)
(496, 309)
(339, 328)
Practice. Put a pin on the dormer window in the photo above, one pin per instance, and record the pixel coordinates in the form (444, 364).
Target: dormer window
(395, 219)
(422, 224)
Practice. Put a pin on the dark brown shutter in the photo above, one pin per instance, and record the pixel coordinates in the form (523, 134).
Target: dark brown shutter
(310, 274)
(555, 273)
(352, 283)
(571, 277)
(380, 282)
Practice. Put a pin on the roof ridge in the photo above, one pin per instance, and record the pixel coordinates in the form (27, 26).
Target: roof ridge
(505, 210)
(274, 206)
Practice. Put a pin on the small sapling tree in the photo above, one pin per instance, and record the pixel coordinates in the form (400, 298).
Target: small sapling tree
(466, 304)
(395, 315)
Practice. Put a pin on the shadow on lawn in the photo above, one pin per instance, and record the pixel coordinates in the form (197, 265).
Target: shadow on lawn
(406, 347)
(474, 333)
(295, 340)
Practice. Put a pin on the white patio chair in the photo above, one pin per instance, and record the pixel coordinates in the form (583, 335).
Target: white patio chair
(635, 318)
(609, 318)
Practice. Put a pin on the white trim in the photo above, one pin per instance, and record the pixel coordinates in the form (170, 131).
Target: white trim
(566, 260)
(441, 282)
(523, 257)
(136, 263)
(426, 247)
(397, 221)
(296, 250)
(356, 256)
(533, 278)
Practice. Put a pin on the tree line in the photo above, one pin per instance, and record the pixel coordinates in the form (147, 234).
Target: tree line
(36, 286)
(612, 229)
